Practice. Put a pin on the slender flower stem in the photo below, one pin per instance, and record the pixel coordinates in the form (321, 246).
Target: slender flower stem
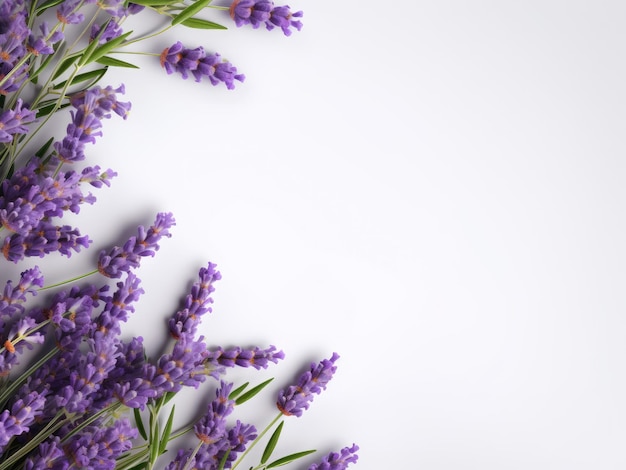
(69, 281)
(52, 426)
(255, 442)
(9, 391)
(189, 463)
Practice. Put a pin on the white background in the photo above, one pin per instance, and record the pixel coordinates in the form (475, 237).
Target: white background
(435, 190)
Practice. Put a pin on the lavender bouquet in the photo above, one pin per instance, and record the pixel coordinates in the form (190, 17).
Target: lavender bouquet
(74, 392)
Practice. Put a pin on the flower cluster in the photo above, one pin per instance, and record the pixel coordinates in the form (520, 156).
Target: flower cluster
(263, 12)
(84, 401)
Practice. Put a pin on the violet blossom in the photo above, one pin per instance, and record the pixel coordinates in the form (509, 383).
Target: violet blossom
(120, 260)
(337, 460)
(197, 62)
(294, 399)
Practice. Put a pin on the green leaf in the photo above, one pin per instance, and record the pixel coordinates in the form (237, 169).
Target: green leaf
(235, 393)
(252, 392)
(167, 397)
(65, 65)
(190, 11)
(44, 148)
(156, 3)
(289, 458)
(165, 437)
(83, 77)
(139, 424)
(115, 62)
(49, 4)
(271, 444)
(48, 108)
(199, 23)
(141, 466)
(105, 48)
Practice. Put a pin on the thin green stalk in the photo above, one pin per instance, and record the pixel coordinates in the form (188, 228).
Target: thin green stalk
(189, 463)
(53, 425)
(15, 384)
(69, 281)
(256, 441)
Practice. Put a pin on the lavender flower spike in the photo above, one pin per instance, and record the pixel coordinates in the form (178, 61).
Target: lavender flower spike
(119, 260)
(212, 426)
(294, 399)
(337, 461)
(197, 62)
(254, 12)
(22, 415)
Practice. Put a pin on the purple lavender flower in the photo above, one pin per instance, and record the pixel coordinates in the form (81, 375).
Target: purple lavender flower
(44, 239)
(42, 44)
(13, 297)
(283, 18)
(258, 12)
(119, 260)
(13, 35)
(22, 334)
(118, 307)
(20, 417)
(14, 121)
(111, 31)
(98, 447)
(254, 12)
(212, 426)
(197, 303)
(49, 456)
(180, 59)
(338, 461)
(294, 399)
(184, 366)
(69, 12)
(114, 8)
(252, 357)
(93, 176)
(91, 107)
(126, 382)
(209, 456)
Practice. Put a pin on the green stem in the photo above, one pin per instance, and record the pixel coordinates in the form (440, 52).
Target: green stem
(53, 425)
(69, 281)
(189, 463)
(256, 441)
(15, 384)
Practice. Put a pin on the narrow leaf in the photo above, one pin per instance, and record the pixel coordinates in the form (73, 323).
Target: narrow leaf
(271, 444)
(44, 148)
(47, 109)
(83, 77)
(199, 23)
(65, 65)
(289, 458)
(165, 437)
(139, 424)
(252, 392)
(156, 3)
(167, 397)
(235, 393)
(115, 62)
(49, 4)
(107, 47)
(141, 466)
(190, 11)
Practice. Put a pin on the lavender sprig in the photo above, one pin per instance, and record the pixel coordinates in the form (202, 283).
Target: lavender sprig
(72, 407)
